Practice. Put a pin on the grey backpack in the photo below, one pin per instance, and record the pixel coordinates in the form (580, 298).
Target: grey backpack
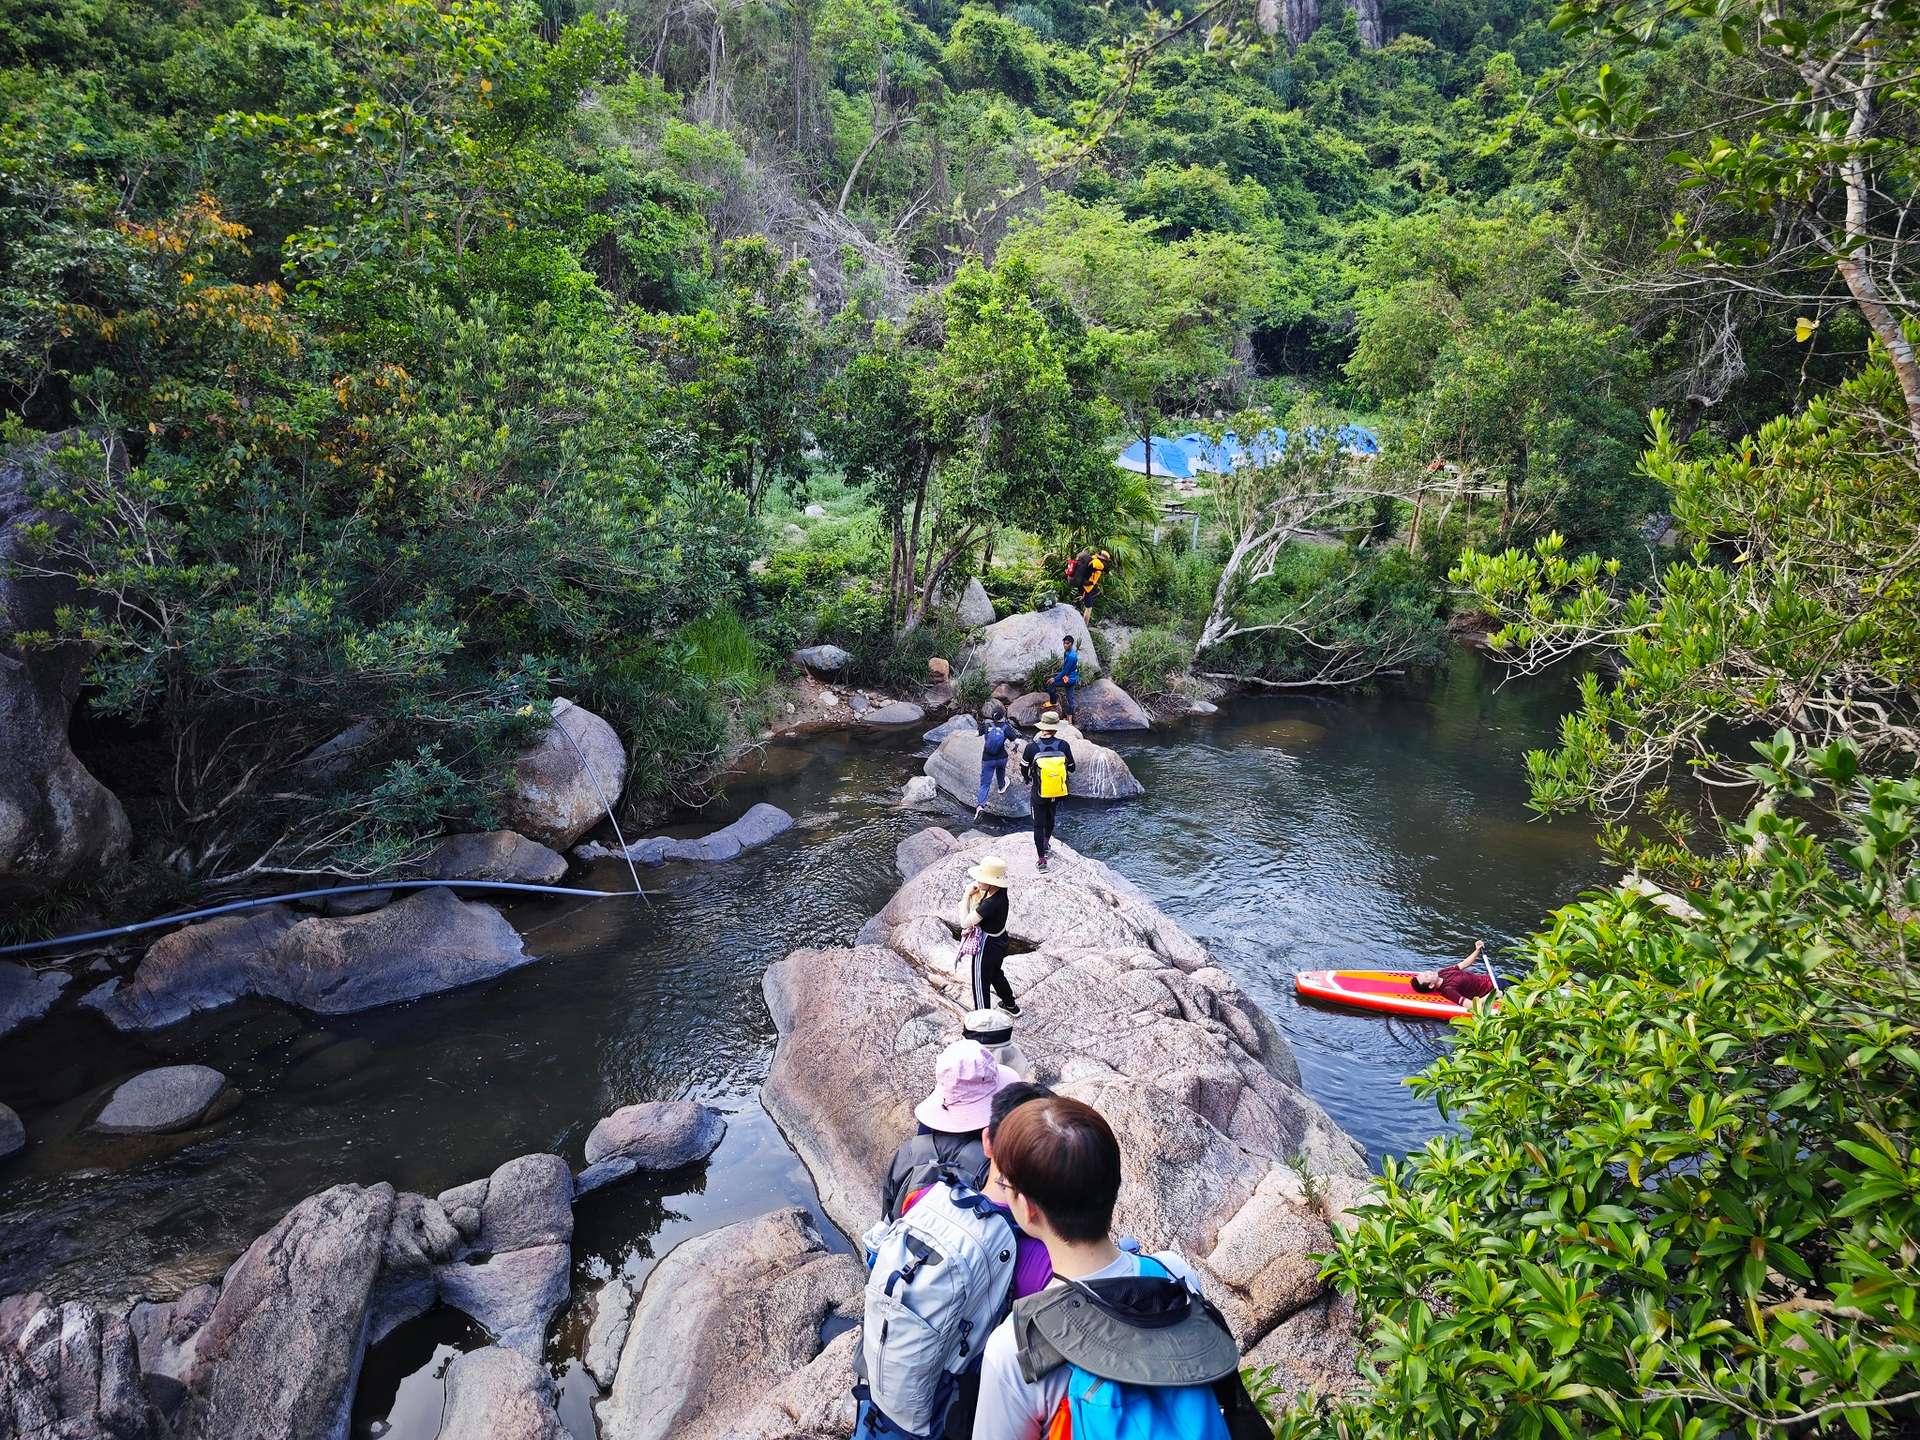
(939, 1282)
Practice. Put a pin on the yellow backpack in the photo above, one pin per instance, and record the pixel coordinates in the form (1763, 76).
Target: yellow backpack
(1053, 775)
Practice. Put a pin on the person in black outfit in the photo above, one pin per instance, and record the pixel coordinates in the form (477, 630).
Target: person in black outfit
(1048, 743)
(986, 911)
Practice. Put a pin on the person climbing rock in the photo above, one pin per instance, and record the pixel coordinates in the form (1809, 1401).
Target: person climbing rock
(1045, 764)
(1066, 681)
(985, 906)
(1084, 573)
(997, 731)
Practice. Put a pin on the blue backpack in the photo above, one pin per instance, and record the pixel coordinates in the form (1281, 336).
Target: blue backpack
(1191, 1397)
(995, 745)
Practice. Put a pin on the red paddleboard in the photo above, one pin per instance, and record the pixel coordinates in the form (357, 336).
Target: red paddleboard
(1388, 990)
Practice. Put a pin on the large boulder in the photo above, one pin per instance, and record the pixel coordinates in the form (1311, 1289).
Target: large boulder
(921, 849)
(280, 1352)
(973, 607)
(1098, 774)
(27, 994)
(895, 712)
(1011, 648)
(428, 942)
(157, 1101)
(1103, 705)
(1226, 1159)
(495, 1394)
(822, 659)
(655, 1135)
(564, 783)
(56, 820)
(499, 855)
(68, 1372)
(725, 1339)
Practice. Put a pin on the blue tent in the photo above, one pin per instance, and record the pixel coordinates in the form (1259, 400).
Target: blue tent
(1170, 458)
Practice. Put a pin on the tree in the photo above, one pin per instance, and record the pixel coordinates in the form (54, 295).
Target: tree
(750, 369)
(1684, 1197)
(1813, 140)
(1798, 605)
(1299, 488)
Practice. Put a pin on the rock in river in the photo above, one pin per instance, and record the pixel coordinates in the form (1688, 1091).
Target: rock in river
(156, 1101)
(27, 994)
(495, 1394)
(56, 820)
(1011, 648)
(1122, 1008)
(761, 824)
(957, 725)
(656, 1135)
(69, 1372)
(492, 855)
(895, 712)
(425, 943)
(725, 1340)
(1103, 705)
(1099, 774)
(564, 782)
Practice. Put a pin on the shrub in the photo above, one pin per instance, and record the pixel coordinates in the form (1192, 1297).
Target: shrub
(1153, 662)
(1685, 1198)
(722, 654)
(973, 689)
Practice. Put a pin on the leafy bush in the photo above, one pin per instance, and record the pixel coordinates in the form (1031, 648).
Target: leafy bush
(1153, 662)
(1324, 602)
(1168, 582)
(720, 652)
(1685, 1199)
(973, 688)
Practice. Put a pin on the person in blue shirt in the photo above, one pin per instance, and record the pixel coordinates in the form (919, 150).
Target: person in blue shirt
(1067, 680)
(996, 733)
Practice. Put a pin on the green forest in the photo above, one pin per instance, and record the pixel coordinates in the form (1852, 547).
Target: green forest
(408, 364)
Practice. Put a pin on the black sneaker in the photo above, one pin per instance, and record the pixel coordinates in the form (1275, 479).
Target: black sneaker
(1010, 1007)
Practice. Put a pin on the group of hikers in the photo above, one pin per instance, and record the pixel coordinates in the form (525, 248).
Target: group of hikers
(1000, 1305)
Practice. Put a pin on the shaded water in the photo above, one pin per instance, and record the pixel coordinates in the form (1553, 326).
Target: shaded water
(1283, 833)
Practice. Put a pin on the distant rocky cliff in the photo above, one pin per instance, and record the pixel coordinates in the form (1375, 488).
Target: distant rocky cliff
(1300, 18)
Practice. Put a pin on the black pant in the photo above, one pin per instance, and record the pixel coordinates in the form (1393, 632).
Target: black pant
(1042, 824)
(990, 974)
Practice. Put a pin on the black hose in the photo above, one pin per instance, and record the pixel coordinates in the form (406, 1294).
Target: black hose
(63, 940)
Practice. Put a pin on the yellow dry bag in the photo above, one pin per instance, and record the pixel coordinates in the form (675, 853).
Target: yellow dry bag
(1053, 776)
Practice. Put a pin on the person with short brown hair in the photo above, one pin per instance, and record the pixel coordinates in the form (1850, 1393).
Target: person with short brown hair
(1056, 1167)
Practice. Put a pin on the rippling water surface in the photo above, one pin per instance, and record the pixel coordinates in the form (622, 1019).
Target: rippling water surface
(1284, 833)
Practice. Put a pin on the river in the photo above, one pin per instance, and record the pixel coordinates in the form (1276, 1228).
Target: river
(1284, 833)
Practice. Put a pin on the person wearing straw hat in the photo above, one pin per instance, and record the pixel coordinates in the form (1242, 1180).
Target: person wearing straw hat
(985, 904)
(952, 1117)
(1045, 765)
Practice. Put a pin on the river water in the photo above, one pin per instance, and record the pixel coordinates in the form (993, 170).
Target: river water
(1283, 833)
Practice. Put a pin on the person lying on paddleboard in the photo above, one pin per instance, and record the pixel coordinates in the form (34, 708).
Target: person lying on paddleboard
(1458, 983)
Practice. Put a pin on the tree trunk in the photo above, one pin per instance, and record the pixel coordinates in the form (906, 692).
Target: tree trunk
(1861, 284)
(913, 537)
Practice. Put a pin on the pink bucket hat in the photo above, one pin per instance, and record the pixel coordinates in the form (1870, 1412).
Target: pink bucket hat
(965, 1082)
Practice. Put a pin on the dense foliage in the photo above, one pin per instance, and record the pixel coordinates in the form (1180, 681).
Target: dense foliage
(1686, 1196)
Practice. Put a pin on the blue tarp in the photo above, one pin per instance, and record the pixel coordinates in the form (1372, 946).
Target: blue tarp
(1183, 457)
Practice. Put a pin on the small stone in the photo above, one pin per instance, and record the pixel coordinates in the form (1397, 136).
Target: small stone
(829, 700)
(858, 703)
(170, 1098)
(13, 1135)
(938, 669)
(792, 532)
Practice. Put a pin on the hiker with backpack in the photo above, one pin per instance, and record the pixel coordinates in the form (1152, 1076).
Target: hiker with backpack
(1120, 1344)
(951, 1119)
(997, 733)
(1084, 573)
(940, 1263)
(1032, 1268)
(985, 934)
(1067, 679)
(1045, 765)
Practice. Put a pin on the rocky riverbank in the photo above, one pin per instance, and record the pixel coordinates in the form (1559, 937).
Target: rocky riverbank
(1227, 1160)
